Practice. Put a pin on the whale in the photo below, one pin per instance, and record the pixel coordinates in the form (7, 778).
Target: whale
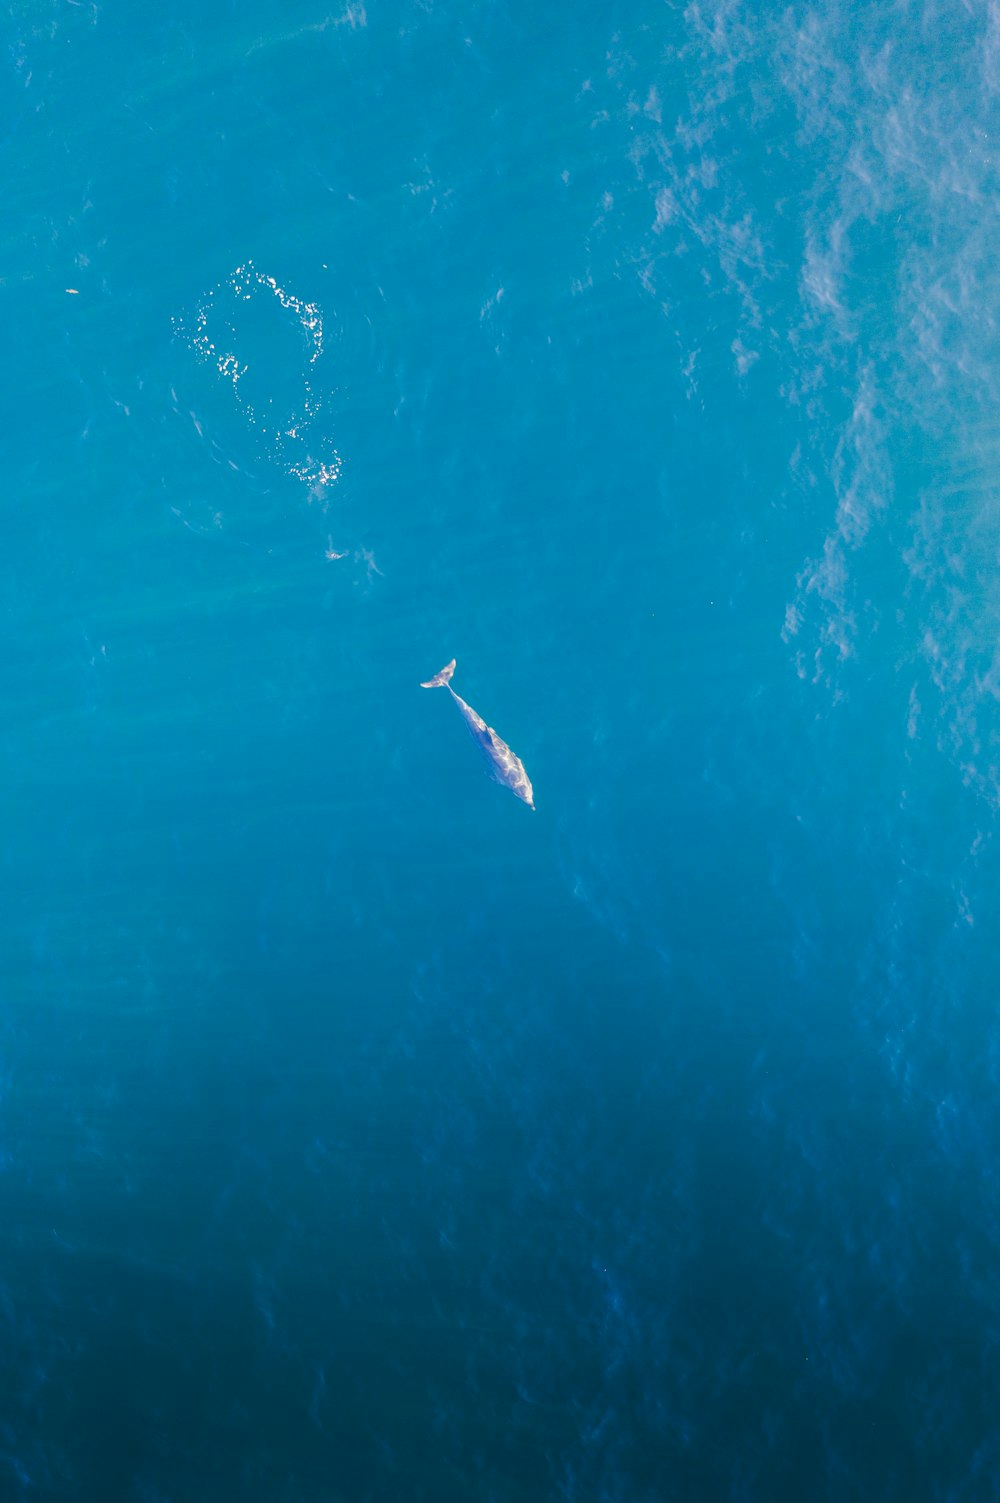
(504, 766)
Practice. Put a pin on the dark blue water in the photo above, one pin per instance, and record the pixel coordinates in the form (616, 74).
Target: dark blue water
(363, 1135)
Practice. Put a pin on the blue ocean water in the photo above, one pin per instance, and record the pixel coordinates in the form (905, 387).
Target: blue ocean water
(363, 1135)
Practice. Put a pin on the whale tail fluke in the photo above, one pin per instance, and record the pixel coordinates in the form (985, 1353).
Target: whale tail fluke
(440, 679)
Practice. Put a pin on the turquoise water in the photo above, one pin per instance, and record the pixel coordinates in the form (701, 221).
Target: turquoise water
(363, 1135)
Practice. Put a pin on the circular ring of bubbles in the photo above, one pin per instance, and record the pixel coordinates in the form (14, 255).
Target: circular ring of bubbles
(296, 441)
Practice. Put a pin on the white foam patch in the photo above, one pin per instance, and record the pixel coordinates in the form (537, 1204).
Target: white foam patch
(286, 423)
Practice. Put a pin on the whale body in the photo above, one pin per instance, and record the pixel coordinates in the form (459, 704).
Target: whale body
(504, 767)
